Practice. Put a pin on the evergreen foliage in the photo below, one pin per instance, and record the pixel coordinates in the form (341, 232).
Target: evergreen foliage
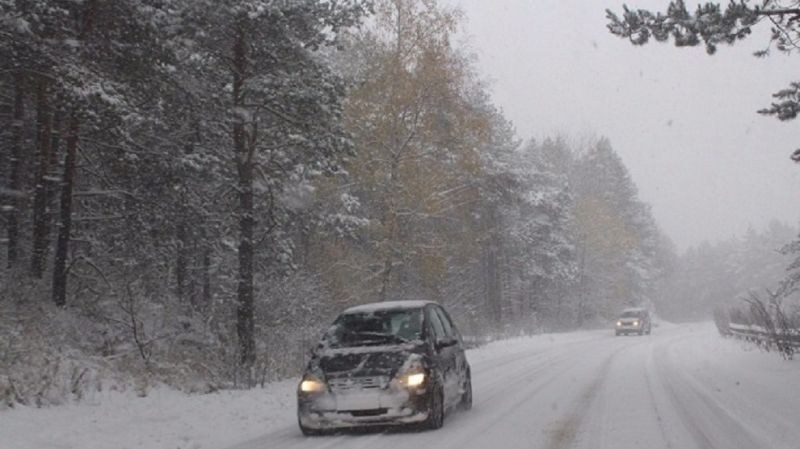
(723, 274)
(192, 189)
(711, 24)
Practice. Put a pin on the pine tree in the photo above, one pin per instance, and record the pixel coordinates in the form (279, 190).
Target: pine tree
(619, 244)
(283, 113)
(710, 25)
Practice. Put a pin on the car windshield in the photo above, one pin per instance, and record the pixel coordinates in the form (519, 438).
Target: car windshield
(375, 328)
(631, 314)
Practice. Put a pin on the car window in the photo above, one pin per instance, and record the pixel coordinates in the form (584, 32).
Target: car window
(436, 324)
(445, 320)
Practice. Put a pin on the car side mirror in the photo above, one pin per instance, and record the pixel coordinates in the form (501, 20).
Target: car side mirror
(445, 342)
(311, 352)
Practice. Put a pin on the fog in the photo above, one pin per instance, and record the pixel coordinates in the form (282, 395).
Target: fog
(450, 224)
(685, 123)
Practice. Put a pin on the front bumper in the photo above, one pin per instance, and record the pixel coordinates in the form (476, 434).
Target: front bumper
(629, 328)
(379, 407)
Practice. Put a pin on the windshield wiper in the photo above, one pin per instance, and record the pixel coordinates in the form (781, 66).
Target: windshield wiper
(383, 335)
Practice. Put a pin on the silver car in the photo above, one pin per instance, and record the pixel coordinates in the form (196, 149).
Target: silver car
(634, 320)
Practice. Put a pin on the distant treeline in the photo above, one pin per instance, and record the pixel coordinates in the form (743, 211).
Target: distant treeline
(725, 274)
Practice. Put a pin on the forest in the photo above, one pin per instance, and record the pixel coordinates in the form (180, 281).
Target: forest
(723, 274)
(191, 190)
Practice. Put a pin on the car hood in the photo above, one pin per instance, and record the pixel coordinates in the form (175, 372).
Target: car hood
(365, 361)
(630, 320)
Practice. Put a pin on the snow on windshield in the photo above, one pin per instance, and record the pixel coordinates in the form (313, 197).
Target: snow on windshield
(372, 328)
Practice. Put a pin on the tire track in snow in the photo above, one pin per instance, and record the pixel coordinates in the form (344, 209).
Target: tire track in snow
(503, 360)
(566, 429)
(654, 402)
(515, 376)
(508, 385)
(504, 392)
(705, 419)
(543, 361)
(290, 437)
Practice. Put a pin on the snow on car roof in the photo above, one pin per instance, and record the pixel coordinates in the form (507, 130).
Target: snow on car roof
(634, 309)
(387, 305)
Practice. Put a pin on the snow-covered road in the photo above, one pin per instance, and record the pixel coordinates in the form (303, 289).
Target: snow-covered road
(683, 387)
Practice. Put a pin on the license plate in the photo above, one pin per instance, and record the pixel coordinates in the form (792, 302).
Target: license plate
(357, 401)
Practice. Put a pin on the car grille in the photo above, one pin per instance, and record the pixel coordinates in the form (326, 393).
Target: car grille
(363, 413)
(358, 383)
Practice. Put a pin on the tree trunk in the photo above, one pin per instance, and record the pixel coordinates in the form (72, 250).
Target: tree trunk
(582, 293)
(44, 140)
(245, 325)
(183, 236)
(52, 182)
(54, 178)
(65, 216)
(14, 169)
(493, 280)
(388, 262)
(180, 262)
(390, 228)
(206, 305)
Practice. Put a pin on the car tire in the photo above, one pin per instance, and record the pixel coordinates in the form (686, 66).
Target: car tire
(616, 333)
(466, 397)
(435, 419)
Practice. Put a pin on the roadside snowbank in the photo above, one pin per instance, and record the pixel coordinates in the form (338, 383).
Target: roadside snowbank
(164, 419)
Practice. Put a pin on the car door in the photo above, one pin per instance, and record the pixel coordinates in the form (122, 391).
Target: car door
(451, 353)
(451, 329)
(439, 355)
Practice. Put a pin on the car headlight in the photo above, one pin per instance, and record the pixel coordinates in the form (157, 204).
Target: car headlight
(619, 323)
(414, 380)
(635, 323)
(413, 376)
(311, 384)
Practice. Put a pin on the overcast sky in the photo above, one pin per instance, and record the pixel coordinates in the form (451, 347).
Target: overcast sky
(685, 123)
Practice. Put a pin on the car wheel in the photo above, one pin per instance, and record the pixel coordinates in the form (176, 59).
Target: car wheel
(466, 395)
(435, 418)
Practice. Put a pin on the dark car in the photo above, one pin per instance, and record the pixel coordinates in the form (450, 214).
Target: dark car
(634, 320)
(389, 363)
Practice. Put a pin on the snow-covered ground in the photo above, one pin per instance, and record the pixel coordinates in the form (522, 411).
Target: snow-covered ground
(682, 387)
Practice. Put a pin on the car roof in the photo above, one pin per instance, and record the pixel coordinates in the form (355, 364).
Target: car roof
(387, 305)
(634, 309)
